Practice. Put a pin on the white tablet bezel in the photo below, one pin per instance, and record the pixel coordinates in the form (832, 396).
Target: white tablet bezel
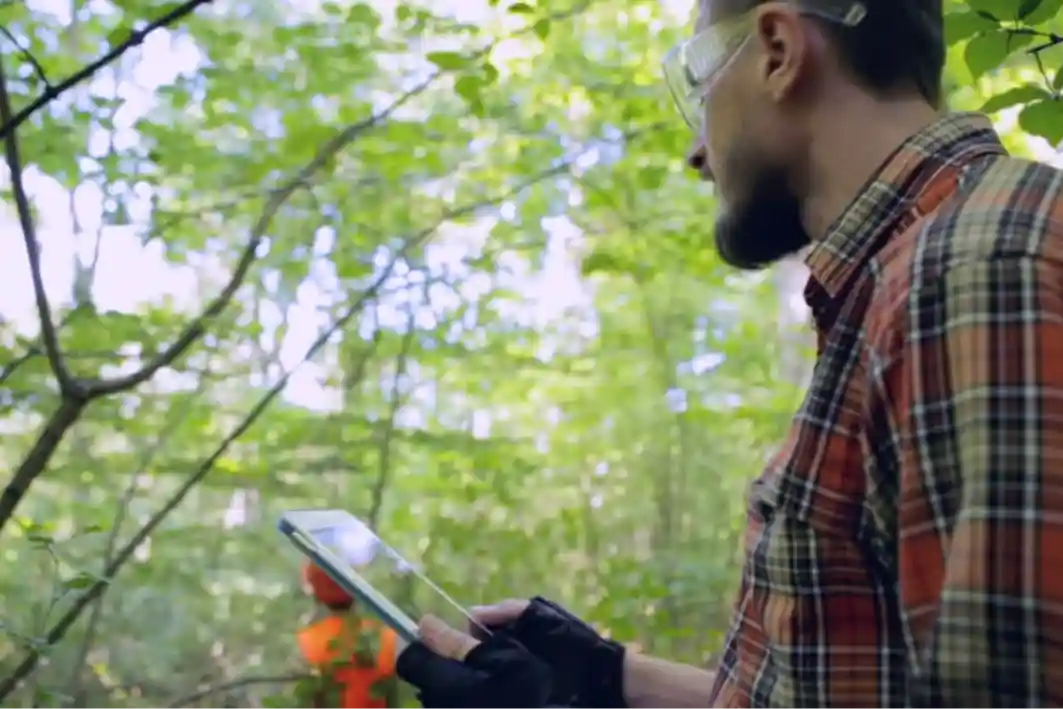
(299, 527)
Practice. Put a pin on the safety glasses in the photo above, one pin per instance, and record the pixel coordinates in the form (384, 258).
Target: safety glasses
(694, 66)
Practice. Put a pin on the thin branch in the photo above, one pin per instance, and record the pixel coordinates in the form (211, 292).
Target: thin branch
(67, 384)
(37, 68)
(276, 200)
(77, 393)
(174, 418)
(10, 123)
(67, 620)
(1049, 39)
(395, 402)
(236, 684)
(11, 367)
(195, 329)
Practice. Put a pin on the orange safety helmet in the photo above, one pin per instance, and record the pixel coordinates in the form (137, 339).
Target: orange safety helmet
(324, 588)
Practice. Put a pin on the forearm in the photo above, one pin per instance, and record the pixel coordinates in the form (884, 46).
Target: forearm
(649, 682)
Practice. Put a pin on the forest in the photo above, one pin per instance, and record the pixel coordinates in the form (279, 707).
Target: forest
(436, 262)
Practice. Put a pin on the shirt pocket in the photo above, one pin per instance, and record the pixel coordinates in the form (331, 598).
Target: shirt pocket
(808, 568)
(820, 479)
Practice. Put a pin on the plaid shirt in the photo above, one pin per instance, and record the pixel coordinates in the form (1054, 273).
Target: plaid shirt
(905, 545)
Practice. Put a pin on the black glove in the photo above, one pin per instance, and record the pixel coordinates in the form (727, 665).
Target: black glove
(499, 672)
(588, 670)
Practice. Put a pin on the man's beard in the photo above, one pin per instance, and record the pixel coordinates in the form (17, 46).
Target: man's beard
(763, 226)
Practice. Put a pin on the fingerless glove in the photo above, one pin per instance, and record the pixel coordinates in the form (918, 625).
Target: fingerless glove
(588, 670)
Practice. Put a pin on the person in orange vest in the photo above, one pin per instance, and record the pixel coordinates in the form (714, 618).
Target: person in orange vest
(355, 656)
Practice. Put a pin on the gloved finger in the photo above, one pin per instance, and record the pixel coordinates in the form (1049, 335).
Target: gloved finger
(445, 640)
(511, 676)
(429, 671)
(501, 655)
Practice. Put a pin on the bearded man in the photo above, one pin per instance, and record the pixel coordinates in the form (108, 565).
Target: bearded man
(904, 547)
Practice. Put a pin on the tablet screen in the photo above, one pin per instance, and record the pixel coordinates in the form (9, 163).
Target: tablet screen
(396, 584)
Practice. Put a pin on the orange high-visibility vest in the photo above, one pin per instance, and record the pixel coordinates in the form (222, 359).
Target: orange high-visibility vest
(322, 644)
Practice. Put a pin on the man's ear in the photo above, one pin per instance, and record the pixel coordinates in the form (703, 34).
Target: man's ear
(783, 41)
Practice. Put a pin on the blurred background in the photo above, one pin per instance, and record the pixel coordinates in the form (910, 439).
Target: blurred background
(527, 367)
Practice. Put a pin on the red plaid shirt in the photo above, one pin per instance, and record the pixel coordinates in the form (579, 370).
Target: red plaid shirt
(905, 546)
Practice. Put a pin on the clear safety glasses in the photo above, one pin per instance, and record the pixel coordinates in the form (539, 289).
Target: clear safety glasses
(693, 66)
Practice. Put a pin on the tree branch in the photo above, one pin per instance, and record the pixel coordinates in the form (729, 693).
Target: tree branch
(76, 392)
(9, 123)
(67, 384)
(14, 364)
(384, 470)
(174, 419)
(67, 620)
(276, 200)
(35, 350)
(61, 420)
(236, 684)
(37, 68)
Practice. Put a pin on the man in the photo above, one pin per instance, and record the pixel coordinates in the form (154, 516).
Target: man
(354, 656)
(905, 545)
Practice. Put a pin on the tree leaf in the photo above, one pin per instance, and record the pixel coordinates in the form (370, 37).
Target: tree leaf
(652, 177)
(1000, 9)
(542, 28)
(964, 25)
(1027, 7)
(521, 8)
(469, 88)
(363, 14)
(1045, 11)
(1013, 97)
(448, 61)
(600, 261)
(1045, 119)
(987, 52)
(76, 583)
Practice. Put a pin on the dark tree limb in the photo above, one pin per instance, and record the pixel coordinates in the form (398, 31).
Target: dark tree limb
(59, 630)
(73, 392)
(61, 421)
(276, 200)
(236, 684)
(37, 68)
(35, 350)
(380, 485)
(67, 620)
(80, 392)
(13, 366)
(67, 384)
(9, 123)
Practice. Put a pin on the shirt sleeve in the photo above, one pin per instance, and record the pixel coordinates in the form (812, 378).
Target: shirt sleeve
(977, 394)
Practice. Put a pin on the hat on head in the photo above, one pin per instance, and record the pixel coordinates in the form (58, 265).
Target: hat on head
(324, 588)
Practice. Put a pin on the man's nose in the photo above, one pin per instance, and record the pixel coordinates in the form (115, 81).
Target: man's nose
(698, 160)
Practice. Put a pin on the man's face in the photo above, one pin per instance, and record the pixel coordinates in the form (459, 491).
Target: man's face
(749, 142)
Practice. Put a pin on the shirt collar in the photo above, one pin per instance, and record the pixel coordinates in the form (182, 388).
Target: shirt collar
(950, 141)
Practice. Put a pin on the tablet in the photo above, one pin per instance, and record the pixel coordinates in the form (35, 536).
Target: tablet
(371, 571)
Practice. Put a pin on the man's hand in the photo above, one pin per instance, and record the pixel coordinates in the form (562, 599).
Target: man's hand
(587, 669)
(498, 615)
(452, 669)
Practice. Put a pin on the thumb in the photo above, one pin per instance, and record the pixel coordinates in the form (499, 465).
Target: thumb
(444, 640)
(500, 614)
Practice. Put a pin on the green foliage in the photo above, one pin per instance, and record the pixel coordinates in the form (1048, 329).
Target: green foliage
(540, 379)
(1021, 38)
